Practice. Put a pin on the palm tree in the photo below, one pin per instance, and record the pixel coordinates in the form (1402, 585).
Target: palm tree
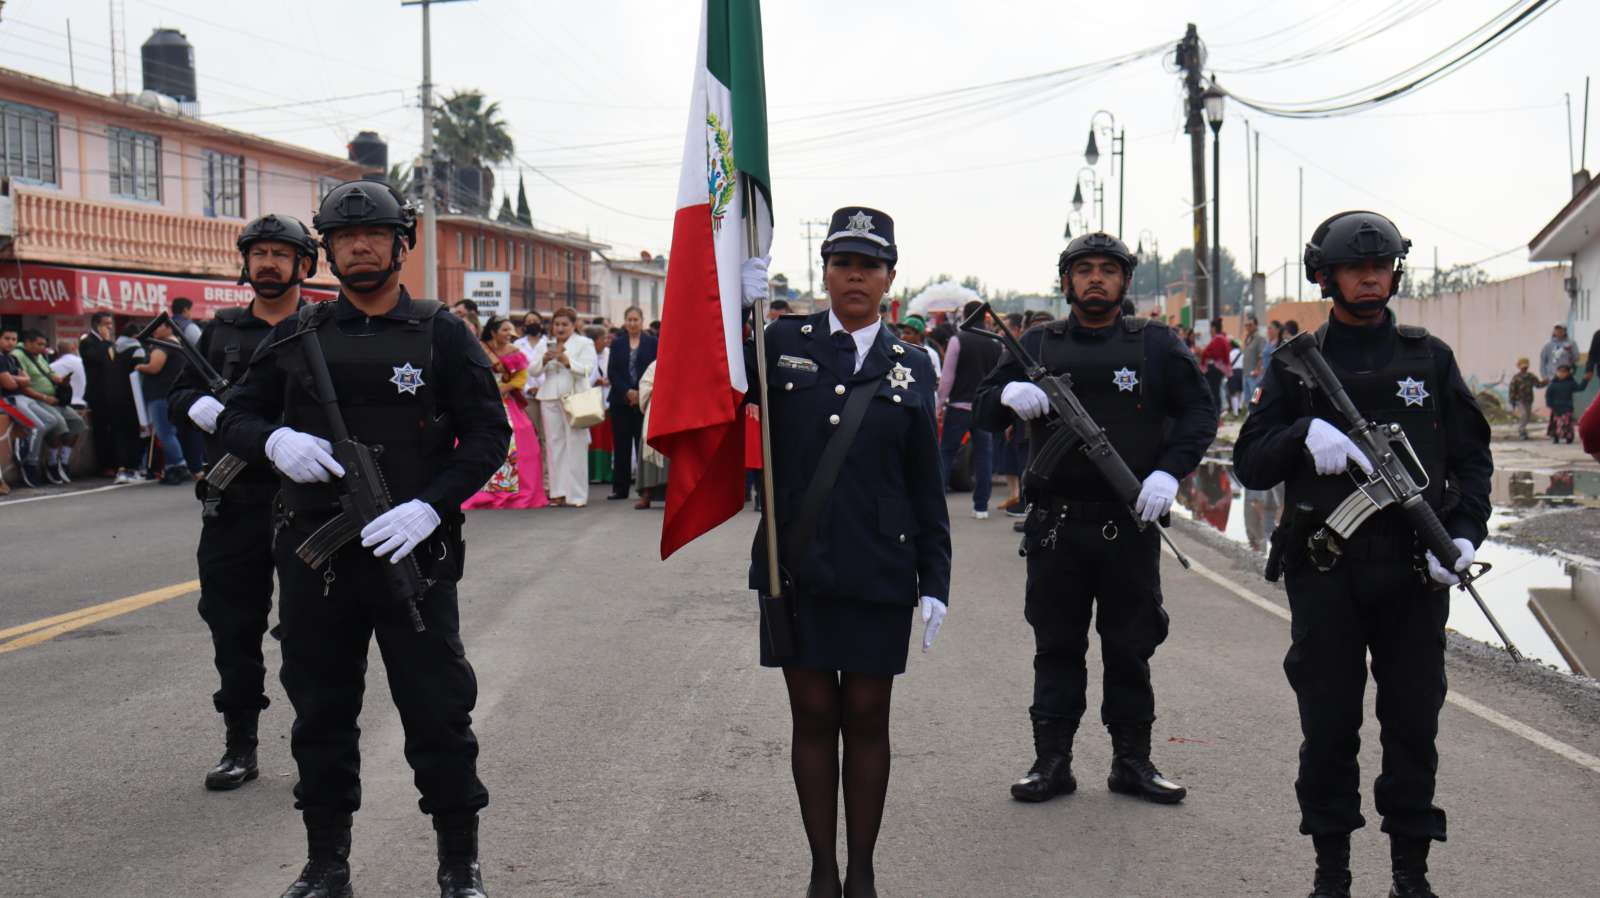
(468, 132)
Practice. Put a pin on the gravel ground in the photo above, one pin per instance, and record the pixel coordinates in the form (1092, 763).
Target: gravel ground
(1575, 531)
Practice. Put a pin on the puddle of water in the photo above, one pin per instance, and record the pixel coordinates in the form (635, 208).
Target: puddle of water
(1213, 497)
(1545, 489)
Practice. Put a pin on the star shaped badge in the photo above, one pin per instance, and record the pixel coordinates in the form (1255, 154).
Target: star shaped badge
(861, 222)
(1412, 391)
(900, 377)
(1125, 379)
(407, 379)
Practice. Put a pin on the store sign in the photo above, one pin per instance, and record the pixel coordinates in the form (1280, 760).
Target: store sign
(54, 290)
(491, 290)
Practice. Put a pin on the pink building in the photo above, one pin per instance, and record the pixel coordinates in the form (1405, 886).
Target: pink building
(124, 205)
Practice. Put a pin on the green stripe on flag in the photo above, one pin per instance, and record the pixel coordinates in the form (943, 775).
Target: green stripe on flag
(733, 57)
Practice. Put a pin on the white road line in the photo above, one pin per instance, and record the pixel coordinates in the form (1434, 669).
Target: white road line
(1483, 712)
(71, 493)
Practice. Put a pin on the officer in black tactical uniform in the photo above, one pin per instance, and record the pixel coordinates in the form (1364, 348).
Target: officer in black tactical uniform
(1377, 591)
(1084, 549)
(236, 519)
(417, 384)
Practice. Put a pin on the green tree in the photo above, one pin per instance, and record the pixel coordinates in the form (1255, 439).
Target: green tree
(506, 214)
(467, 131)
(1180, 267)
(1455, 279)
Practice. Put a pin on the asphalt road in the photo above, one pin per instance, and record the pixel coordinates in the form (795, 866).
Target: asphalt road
(633, 747)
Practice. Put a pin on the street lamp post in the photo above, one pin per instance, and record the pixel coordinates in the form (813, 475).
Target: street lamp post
(1075, 216)
(1215, 99)
(1097, 194)
(1119, 159)
(1155, 250)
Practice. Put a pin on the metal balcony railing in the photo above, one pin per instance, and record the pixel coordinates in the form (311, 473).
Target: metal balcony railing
(65, 230)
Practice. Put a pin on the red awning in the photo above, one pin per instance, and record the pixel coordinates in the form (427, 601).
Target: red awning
(55, 290)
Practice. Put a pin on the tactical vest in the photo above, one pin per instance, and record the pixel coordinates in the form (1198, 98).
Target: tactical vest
(229, 350)
(1109, 376)
(1404, 392)
(385, 382)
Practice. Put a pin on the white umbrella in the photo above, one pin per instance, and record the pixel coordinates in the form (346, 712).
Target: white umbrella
(945, 296)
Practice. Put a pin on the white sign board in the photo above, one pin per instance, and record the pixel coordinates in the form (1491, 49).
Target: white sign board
(491, 290)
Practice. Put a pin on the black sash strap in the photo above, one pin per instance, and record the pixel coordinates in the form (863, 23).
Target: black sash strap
(798, 540)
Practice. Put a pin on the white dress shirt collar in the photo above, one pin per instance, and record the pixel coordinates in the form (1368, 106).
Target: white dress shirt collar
(864, 338)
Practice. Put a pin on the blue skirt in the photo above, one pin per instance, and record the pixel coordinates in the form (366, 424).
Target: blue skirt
(847, 636)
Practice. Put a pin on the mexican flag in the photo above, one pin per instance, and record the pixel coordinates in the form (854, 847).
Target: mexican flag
(696, 419)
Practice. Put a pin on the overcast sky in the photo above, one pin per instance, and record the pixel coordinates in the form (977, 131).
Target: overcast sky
(978, 183)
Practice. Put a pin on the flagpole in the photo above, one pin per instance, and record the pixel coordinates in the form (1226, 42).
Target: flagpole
(758, 326)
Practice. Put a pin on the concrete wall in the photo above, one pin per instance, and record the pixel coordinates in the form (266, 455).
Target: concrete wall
(1491, 326)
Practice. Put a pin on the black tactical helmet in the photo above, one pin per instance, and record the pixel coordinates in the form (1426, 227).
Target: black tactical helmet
(1355, 237)
(284, 229)
(365, 202)
(1097, 244)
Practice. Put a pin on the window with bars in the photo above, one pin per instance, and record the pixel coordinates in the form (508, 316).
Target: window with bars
(135, 159)
(27, 143)
(223, 184)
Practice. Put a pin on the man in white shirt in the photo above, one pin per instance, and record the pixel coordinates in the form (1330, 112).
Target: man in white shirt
(69, 365)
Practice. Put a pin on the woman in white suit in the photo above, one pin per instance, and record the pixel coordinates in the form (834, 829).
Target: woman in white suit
(567, 362)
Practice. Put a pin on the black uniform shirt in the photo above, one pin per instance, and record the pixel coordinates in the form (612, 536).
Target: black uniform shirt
(1271, 445)
(467, 396)
(1171, 373)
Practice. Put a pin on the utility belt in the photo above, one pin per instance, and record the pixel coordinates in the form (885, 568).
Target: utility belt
(1046, 514)
(238, 494)
(322, 532)
(1302, 540)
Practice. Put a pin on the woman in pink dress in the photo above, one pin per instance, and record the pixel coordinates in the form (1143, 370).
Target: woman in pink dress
(520, 481)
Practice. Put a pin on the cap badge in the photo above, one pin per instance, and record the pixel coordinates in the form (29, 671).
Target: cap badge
(860, 222)
(407, 379)
(900, 377)
(1125, 379)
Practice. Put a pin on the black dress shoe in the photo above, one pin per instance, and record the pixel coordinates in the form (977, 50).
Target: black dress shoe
(1131, 770)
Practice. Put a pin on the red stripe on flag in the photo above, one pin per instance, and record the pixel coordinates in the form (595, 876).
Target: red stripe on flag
(695, 418)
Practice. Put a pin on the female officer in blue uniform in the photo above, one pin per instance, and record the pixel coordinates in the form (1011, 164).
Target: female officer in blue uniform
(881, 539)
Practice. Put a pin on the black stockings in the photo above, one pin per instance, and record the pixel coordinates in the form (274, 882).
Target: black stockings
(825, 704)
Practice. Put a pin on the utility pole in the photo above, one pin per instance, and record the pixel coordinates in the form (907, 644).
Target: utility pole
(811, 265)
(1300, 282)
(430, 219)
(1191, 58)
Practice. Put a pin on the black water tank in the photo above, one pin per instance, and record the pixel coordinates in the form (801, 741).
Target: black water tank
(168, 63)
(370, 152)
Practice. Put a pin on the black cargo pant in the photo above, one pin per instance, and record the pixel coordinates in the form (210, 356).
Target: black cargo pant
(1385, 607)
(235, 558)
(1069, 574)
(326, 626)
(627, 424)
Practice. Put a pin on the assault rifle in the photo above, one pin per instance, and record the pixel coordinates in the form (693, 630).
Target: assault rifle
(363, 494)
(1076, 429)
(221, 472)
(1398, 477)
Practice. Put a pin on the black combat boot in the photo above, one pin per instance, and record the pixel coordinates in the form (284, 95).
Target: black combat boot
(459, 873)
(1131, 770)
(1409, 854)
(1051, 773)
(1333, 867)
(238, 764)
(327, 870)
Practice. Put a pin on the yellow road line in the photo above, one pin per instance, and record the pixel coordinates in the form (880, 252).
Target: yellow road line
(50, 627)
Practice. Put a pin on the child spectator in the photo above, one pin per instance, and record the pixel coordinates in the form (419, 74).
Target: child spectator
(1521, 394)
(1558, 396)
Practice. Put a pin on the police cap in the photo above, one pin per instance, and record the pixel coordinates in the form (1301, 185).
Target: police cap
(1351, 237)
(366, 202)
(867, 232)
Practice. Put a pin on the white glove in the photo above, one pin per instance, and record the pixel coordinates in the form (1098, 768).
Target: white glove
(1331, 450)
(400, 529)
(302, 457)
(1155, 499)
(753, 277)
(1027, 400)
(933, 612)
(204, 413)
(1449, 578)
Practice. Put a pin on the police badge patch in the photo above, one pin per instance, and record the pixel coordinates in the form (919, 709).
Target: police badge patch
(1125, 379)
(900, 377)
(1412, 391)
(407, 379)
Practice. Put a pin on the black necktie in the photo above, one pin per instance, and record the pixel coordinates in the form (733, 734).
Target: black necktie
(844, 347)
